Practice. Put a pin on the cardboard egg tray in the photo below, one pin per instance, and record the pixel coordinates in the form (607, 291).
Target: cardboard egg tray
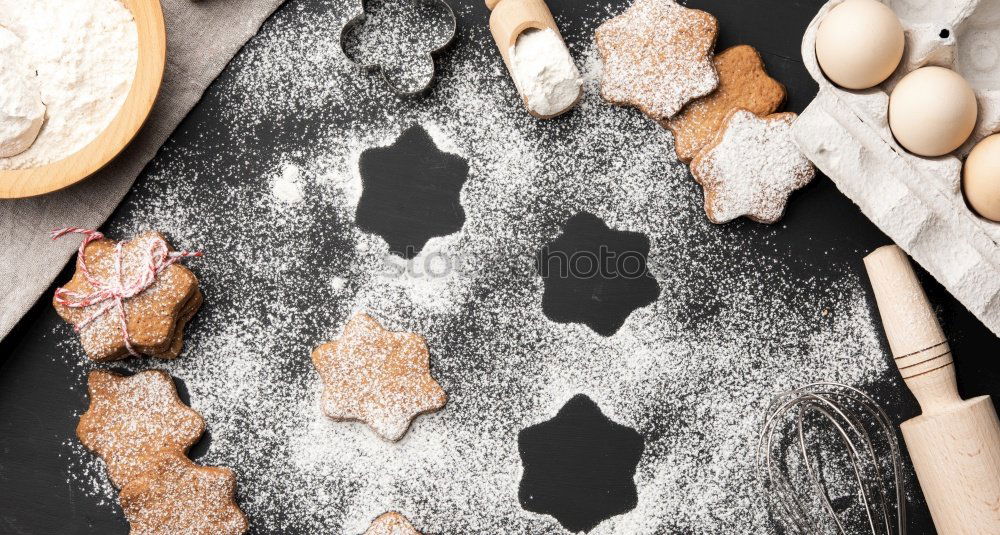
(917, 201)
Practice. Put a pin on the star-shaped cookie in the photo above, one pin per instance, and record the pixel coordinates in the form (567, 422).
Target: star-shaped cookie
(751, 168)
(743, 83)
(133, 418)
(657, 56)
(391, 523)
(155, 318)
(175, 495)
(378, 377)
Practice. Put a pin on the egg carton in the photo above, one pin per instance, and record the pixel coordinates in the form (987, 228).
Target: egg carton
(917, 201)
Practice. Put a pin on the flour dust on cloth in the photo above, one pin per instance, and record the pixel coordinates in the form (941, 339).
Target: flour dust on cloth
(202, 38)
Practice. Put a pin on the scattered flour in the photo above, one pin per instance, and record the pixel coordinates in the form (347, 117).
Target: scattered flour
(692, 372)
(85, 53)
(21, 109)
(287, 187)
(544, 72)
(338, 283)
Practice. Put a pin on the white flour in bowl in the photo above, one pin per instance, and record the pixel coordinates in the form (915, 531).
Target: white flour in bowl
(21, 108)
(85, 54)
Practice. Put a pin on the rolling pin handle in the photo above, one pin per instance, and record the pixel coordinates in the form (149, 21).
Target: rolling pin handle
(919, 347)
(492, 4)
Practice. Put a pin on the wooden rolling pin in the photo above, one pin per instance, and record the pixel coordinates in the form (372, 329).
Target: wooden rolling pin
(510, 18)
(955, 443)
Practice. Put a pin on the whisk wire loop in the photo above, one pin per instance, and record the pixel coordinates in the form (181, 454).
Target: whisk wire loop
(856, 419)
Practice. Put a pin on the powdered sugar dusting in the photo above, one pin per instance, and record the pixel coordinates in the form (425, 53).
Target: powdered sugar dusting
(131, 418)
(691, 372)
(658, 56)
(377, 376)
(286, 186)
(752, 169)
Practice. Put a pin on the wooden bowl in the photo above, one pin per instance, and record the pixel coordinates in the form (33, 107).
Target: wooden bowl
(152, 35)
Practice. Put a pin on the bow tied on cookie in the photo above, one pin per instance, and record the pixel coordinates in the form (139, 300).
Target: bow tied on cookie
(151, 295)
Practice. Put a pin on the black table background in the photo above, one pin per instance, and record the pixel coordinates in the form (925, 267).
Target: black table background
(36, 410)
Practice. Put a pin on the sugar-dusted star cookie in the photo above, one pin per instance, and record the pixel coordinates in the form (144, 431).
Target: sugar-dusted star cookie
(378, 377)
(743, 83)
(391, 523)
(175, 495)
(129, 297)
(657, 56)
(133, 418)
(751, 168)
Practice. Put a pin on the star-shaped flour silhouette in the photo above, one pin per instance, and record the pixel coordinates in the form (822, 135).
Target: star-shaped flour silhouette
(410, 192)
(579, 466)
(595, 275)
(751, 168)
(657, 56)
(378, 377)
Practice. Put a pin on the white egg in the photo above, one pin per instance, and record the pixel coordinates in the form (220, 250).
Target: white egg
(859, 43)
(932, 111)
(981, 178)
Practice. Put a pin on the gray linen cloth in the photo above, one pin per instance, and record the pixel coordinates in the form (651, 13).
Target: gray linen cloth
(201, 39)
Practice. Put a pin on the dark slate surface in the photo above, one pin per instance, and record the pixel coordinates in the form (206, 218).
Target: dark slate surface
(37, 410)
(579, 466)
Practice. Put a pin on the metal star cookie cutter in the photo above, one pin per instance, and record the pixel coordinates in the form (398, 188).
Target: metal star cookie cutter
(436, 48)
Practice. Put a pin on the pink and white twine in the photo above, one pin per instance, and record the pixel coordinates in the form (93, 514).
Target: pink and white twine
(113, 292)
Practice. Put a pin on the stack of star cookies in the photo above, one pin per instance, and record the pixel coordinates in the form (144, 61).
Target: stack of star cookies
(154, 318)
(658, 57)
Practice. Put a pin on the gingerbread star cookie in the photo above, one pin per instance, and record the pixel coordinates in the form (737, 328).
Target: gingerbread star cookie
(133, 418)
(743, 83)
(175, 495)
(657, 56)
(158, 296)
(378, 377)
(751, 168)
(391, 523)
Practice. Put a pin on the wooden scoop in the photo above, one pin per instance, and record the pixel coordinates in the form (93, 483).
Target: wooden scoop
(509, 19)
(955, 443)
(133, 113)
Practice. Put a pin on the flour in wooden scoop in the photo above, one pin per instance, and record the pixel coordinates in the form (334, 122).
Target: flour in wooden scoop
(544, 72)
(85, 55)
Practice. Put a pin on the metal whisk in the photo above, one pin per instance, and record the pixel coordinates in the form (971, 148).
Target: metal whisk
(863, 432)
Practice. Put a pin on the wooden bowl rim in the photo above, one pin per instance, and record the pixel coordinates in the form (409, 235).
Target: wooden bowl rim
(151, 61)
